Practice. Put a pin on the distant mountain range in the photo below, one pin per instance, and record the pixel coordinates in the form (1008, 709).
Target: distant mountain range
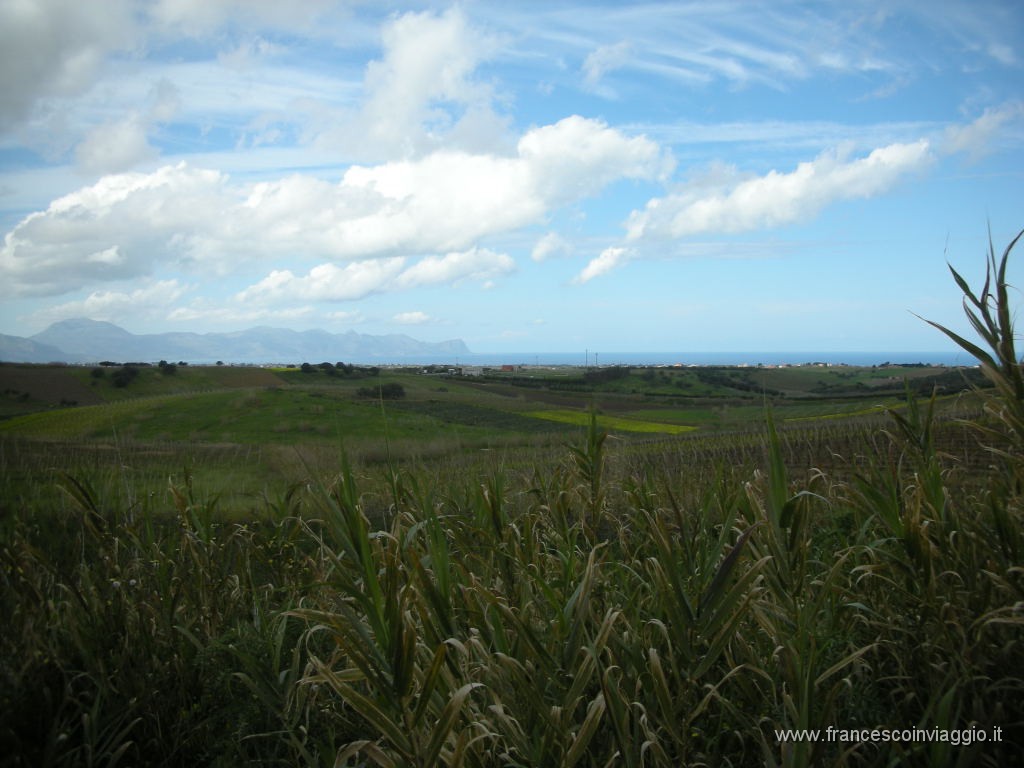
(90, 341)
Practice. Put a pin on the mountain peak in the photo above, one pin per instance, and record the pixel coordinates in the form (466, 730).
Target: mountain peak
(81, 324)
(81, 333)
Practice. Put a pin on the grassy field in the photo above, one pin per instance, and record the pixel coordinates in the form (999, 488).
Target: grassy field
(228, 404)
(606, 567)
(289, 423)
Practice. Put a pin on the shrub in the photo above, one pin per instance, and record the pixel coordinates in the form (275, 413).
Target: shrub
(389, 391)
(124, 376)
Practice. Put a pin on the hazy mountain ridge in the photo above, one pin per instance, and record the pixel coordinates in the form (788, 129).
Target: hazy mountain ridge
(82, 340)
(16, 349)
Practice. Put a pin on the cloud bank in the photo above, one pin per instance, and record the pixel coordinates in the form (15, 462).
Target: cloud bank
(200, 220)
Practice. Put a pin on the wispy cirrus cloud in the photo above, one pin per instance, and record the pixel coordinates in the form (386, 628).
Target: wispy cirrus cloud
(550, 245)
(207, 313)
(604, 59)
(201, 19)
(412, 318)
(982, 136)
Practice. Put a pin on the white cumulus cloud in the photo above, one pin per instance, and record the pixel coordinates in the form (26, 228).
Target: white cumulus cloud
(778, 198)
(608, 260)
(201, 221)
(355, 280)
(475, 264)
(422, 93)
(325, 282)
(113, 230)
(151, 301)
(577, 156)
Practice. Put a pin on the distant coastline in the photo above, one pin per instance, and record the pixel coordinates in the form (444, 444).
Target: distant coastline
(948, 358)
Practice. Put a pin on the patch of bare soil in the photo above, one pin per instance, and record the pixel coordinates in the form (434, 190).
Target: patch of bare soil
(45, 383)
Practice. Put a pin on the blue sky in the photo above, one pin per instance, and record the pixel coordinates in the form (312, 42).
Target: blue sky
(527, 176)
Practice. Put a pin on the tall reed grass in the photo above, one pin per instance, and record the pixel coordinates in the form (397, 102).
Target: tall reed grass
(612, 607)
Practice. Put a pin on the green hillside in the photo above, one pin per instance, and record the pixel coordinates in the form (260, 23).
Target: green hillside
(224, 404)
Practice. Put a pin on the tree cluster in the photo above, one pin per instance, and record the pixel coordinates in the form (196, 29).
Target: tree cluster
(603, 375)
(346, 370)
(717, 377)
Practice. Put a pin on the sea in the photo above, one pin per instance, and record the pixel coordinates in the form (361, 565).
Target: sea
(952, 358)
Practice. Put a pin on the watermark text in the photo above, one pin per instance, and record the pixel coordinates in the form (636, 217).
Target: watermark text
(961, 737)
